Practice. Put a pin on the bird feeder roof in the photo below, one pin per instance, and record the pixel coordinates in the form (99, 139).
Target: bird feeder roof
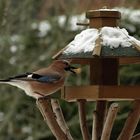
(103, 42)
(104, 39)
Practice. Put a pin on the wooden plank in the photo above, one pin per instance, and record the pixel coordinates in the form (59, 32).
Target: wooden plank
(82, 61)
(74, 93)
(120, 92)
(129, 60)
(98, 46)
(93, 92)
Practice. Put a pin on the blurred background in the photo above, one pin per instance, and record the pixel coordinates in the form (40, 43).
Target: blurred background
(31, 32)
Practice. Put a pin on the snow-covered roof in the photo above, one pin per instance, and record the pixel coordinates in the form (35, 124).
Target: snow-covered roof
(112, 37)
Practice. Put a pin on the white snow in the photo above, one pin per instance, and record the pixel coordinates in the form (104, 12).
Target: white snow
(44, 27)
(83, 42)
(61, 20)
(129, 14)
(72, 21)
(15, 38)
(113, 37)
(135, 16)
(106, 9)
(75, 19)
(13, 48)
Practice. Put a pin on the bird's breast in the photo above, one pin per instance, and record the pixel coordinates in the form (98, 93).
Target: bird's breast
(46, 88)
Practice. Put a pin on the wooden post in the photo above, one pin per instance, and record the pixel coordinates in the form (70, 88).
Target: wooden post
(131, 122)
(94, 133)
(111, 116)
(82, 118)
(60, 118)
(136, 137)
(103, 71)
(45, 108)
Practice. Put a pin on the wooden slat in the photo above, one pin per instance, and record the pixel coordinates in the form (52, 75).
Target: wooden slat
(98, 46)
(95, 92)
(120, 92)
(129, 60)
(72, 93)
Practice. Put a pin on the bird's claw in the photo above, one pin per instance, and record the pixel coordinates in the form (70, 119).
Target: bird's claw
(44, 98)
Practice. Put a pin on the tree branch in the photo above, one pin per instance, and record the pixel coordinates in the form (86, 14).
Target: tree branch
(94, 133)
(82, 119)
(60, 118)
(101, 109)
(109, 122)
(136, 137)
(45, 108)
(131, 122)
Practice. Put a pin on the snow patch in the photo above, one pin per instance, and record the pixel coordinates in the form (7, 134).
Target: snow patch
(132, 15)
(113, 37)
(13, 48)
(83, 42)
(44, 27)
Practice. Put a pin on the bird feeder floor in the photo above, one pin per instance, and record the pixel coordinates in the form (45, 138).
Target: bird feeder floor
(97, 92)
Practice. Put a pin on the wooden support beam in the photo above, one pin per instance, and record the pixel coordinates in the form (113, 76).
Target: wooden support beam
(111, 116)
(129, 60)
(60, 118)
(82, 118)
(122, 60)
(94, 127)
(136, 137)
(98, 46)
(131, 122)
(95, 92)
(101, 109)
(45, 108)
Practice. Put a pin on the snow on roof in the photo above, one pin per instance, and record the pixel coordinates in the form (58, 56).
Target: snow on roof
(106, 9)
(113, 37)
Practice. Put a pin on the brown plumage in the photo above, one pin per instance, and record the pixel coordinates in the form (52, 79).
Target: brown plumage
(42, 82)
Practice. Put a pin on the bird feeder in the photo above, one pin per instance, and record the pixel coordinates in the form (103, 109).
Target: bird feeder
(103, 46)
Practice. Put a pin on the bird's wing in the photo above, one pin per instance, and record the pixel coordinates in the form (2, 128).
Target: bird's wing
(50, 78)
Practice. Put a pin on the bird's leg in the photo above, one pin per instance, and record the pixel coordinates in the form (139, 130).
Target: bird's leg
(44, 97)
(47, 97)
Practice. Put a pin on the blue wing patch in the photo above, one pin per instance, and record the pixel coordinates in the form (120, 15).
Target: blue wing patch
(49, 78)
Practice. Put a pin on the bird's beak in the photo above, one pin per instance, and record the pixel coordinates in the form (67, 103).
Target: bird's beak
(71, 69)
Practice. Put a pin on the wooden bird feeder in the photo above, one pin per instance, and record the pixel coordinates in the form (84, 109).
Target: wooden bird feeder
(104, 46)
(103, 59)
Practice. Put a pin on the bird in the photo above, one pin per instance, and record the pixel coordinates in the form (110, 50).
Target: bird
(44, 81)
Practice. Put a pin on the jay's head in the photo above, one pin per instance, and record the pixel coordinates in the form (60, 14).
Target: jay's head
(63, 65)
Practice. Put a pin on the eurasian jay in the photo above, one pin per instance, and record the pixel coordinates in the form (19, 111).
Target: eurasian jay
(42, 82)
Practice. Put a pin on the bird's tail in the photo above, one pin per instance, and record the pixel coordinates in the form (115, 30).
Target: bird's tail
(4, 81)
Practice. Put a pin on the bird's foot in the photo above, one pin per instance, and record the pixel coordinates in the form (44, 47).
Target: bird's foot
(44, 98)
